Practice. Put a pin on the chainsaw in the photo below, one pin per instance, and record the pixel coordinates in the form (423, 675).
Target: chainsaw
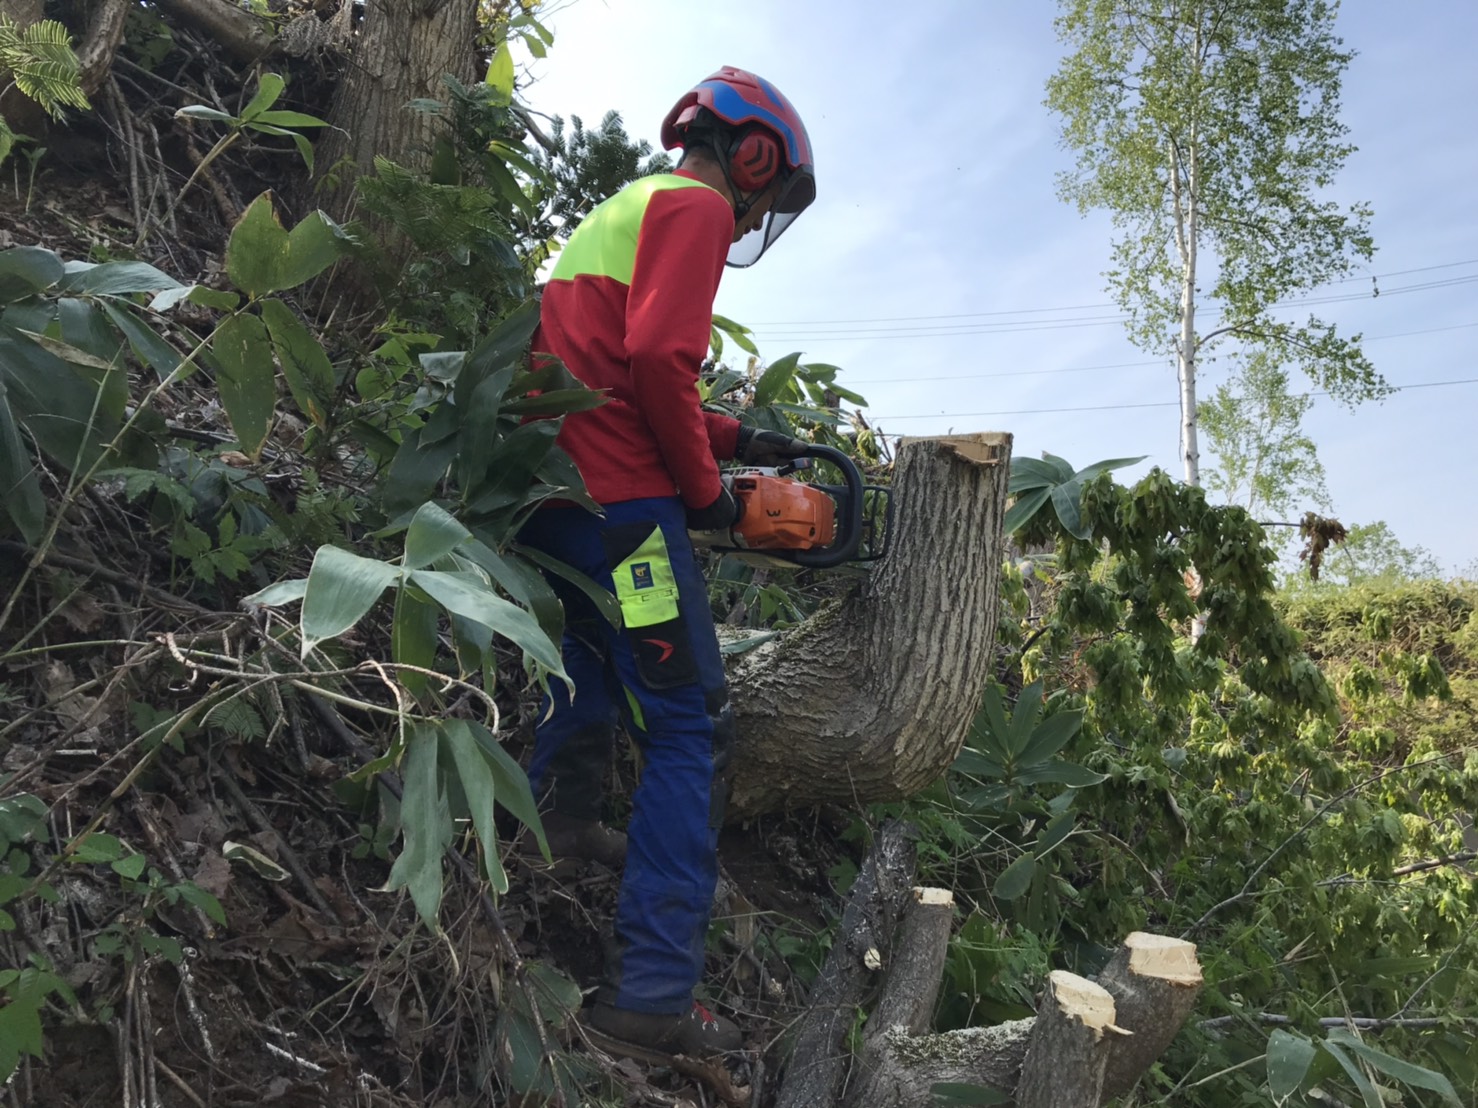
(786, 521)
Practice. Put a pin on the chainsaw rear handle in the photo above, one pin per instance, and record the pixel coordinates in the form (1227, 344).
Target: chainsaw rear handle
(849, 514)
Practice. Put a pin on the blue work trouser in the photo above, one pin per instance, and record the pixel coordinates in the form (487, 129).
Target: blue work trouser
(661, 675)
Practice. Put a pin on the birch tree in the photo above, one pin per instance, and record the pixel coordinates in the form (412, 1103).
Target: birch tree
(1210, 131)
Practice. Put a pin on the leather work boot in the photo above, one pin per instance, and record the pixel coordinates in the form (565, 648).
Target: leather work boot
(586, 839)
(654, 1037)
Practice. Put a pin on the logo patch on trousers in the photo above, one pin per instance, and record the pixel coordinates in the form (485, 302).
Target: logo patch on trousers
(665, 647)
(641, 575)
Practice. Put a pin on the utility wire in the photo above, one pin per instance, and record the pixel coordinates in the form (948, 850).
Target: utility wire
(1162, 362)
(1012, 326)
(1079, 307)
(878, 420)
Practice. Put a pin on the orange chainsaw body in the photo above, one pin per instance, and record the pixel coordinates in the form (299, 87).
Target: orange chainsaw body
(782, 514)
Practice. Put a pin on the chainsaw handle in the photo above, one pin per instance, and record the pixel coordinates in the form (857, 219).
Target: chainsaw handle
(849, 514)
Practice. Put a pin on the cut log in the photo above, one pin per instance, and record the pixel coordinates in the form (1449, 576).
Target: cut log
(1142, 999)
(818, 1061)
(917, 967)
(1069, 1045)
(1154, 981)
(869, 700)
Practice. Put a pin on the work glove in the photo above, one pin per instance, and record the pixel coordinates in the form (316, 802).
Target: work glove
(722, 514)
(767, 448)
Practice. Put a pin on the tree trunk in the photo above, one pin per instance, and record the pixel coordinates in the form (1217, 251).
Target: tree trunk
(401, 52)
(20, 112)
(870, 699)
(1069, 1046)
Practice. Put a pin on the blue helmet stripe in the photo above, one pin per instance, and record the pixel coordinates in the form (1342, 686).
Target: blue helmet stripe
(733, 107)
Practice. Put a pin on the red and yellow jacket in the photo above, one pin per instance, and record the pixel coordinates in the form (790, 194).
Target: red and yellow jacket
(628, 309)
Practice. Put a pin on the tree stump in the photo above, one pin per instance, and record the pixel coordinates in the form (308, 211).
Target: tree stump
(1069, 1046)
(869, 700)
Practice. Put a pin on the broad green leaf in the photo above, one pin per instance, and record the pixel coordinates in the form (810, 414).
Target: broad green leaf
(194, 895)
(1025, 507)
(773, 381)
(512, 784)
(558, 402)
(200, 111)
(470, 598)
(84, 326)
(500, 71)
(1055, 833)
(981, 765)
(1087, 473)
(58, 403)
(558, 997)
(478, 433)
(1418, 1077)
(21, 499)
(1063, 468)
(414, 473)
(505, 345)
(510, 466)
(115, 278)
(148, 346)
(130, 866)
(283, 592)
(990, 727)
(281, 118)
(20, 1030)
(426, 824)
(604, 600)
(413, 637)
(246, 379)
(739, 333)
(257, 248)
(1059, 773)
(269, 89)
(522, 582)
(309, 373)
(1289, 1056)
(476, 778)
(1066, 502)
(433, 533)
(312, 246)
(1050, 736)
(1015, 879)
(27, 270)
(1031, 473)
(1024, 719)
(98, 847)
(341, 588)
(1357, 1076)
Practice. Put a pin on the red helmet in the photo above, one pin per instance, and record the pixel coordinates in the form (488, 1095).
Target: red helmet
(765, 130)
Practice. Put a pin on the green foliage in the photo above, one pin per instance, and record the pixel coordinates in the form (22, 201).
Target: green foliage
(38, 60)
(1034, 483)
(1265, 461)
(258, 117)
(586, 167)
(1211, 134)
(1287, 789)
(1370, 554)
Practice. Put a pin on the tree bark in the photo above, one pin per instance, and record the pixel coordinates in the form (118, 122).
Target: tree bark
(870, 699)
(1069, 1045)
(246, 37)
(818, 1061)
(1154, 981)
(1139, 1003)
(401, 52)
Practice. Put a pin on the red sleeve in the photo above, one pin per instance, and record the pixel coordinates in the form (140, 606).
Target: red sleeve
(680, 251)
(723, 435)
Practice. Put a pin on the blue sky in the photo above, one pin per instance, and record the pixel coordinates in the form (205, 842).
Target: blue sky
(936, 165)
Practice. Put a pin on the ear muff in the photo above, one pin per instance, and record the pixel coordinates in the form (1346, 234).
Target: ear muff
(754, 159)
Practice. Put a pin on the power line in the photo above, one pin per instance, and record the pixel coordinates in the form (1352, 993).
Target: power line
(879, 419)
(1015, 326)
(1114, 365)
(1076, 307)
